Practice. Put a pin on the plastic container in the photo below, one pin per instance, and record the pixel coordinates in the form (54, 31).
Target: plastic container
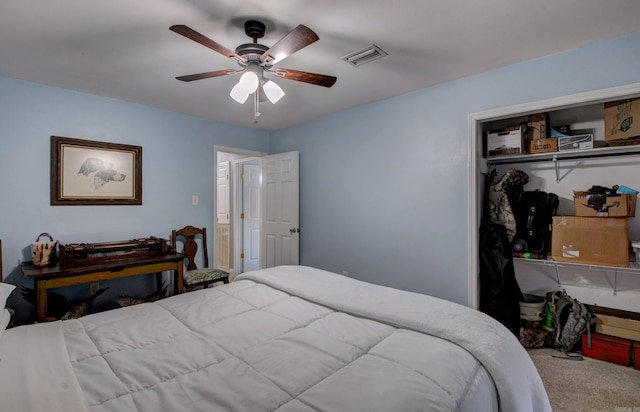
(532, 309)
(635, 244)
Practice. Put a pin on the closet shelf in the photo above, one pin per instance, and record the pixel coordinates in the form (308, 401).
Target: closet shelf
(633, 267)
(555, 157)
(565, 154)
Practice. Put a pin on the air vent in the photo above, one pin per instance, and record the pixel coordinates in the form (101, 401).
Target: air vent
(365, 55)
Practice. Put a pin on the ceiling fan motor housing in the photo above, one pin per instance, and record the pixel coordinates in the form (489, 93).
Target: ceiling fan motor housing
(254, 29)
(251, 51)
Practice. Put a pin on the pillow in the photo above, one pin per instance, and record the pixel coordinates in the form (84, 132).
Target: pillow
(5, 291)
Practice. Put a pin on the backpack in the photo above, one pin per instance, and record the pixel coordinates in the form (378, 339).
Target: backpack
(572, 319)
(533, 213)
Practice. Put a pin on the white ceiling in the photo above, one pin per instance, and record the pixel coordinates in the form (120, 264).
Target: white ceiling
(125, 50)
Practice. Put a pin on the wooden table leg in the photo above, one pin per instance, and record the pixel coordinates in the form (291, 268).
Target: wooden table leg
(41, 300)
(158, 281)
(177, 279)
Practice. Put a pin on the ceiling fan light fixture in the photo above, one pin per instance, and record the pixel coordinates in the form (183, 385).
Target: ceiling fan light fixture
(247, 84)
(239, 94)
(272, 91)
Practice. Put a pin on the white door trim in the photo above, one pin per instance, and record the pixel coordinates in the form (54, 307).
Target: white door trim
(237, 230)
(224, 149)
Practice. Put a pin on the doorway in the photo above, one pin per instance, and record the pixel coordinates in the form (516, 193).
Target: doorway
(227, 207)
(261, 228)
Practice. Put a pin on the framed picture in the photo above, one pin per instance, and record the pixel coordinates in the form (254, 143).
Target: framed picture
(85, 172)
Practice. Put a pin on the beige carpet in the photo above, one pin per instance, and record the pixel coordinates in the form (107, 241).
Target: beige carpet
(589, 385)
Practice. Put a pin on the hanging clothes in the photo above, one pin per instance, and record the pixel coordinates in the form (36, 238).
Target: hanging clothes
(500, 294)
(503, 196)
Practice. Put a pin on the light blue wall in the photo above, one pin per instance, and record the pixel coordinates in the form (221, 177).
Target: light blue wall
(384, 186)
(177, 163)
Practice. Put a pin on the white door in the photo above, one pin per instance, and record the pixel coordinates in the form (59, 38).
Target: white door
(250, 216)
(223, 221)
(223, 200)
(280, 239)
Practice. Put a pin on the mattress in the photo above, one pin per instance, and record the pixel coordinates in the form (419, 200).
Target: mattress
(290, 338)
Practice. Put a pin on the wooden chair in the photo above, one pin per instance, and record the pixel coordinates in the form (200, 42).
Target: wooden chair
(195, 277)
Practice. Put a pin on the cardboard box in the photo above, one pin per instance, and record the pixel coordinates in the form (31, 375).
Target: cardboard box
(508, 141)
(542, 145)
(620, 205)
(577, 142)
(590, 240)
(632, 141)
(538, 126)
(622, 119)
(619, 327)
(607, 348)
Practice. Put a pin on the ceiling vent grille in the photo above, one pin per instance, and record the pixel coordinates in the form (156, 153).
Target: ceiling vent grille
(365, 55)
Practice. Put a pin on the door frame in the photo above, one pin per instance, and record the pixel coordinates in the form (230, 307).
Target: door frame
(233, 150)
(238, 232)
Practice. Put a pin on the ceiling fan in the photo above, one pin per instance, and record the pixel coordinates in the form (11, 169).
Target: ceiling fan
(255, 59)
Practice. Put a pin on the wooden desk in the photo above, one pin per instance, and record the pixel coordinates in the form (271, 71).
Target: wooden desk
(54, 276)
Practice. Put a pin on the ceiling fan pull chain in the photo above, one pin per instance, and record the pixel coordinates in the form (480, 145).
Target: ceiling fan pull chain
(256, 112)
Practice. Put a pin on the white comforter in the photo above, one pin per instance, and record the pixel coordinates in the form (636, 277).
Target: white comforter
(282, 339)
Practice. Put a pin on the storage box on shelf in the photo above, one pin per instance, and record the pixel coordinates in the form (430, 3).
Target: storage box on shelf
(575, 142)
(601, 205)
(538, 126)
(507, 141)
(590, 240)
(542, 145)
(574, 139)
(633, 141)
(622, 120)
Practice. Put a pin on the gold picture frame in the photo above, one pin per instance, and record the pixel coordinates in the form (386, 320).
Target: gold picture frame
(86, 172)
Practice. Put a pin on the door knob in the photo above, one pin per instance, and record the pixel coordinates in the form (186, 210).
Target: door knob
(294, 230)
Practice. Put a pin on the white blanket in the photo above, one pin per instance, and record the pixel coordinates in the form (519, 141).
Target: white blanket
(281, 339)
(519, 384)
(35, 373)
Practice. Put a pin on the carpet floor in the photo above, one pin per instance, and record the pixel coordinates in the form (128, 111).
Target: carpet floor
(589, 385)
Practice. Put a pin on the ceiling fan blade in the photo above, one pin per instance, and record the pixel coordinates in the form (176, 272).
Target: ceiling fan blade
(207, 75)
(296, 39)
(205, 41)
(300, 76)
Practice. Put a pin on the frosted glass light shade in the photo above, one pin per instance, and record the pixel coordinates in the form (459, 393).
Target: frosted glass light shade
(239, 93)
(248, 84)
(272, 91)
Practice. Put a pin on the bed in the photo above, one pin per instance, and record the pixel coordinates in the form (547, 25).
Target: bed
(289, 338)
